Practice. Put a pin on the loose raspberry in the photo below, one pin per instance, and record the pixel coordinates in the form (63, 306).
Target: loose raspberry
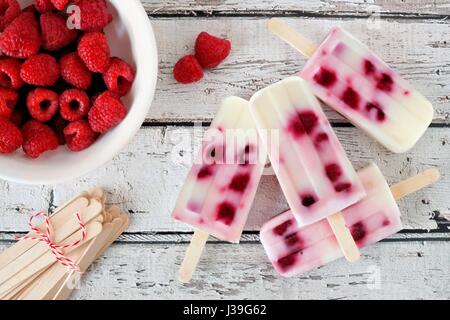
(42, 104)
(119, 76)
(38, 138)
(57, 124)
(60, 4)
(10, 136)
(93, 49)
(79, 135)
(55, 34)
(75, 72)
(210, 51)
(40, 70)
(94, 15)
(106, 112)
(187, 70)
(10, 73)
(9, 9)
(74, 104)
(21, 39)
(8, 101)
(43, 5)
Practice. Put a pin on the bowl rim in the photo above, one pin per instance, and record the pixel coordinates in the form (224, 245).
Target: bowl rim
(147, 96)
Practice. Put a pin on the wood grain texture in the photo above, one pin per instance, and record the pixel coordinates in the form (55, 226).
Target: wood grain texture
(290, 7)
(138, 271)
(146, 177)
(417, 49)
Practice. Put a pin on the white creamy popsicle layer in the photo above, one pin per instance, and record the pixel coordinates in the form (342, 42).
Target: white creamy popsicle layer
(219, 190)
(314, 172)
(350, 78)
(294, 249)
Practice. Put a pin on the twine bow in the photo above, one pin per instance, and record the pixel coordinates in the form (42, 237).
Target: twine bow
(47, 238)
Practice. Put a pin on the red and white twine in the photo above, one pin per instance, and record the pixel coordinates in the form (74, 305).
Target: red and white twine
(47, 238)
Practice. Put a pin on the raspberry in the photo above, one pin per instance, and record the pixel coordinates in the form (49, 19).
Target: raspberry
(31, 8)
(79, 135)
(40, 70)
(10, 136)
(106, 112)
(9, 9)
(8, 100)
(93, 49)
(210, 51)
(119, 76)
(74, 104)
(17, 118)
(187, 70)
(10, 73)
(57, 124)
(60, 4)
(38, 138)
(94, 15)
(55, 34)
(21, 38)
(43, 5)
(75, 72)
(42, 104)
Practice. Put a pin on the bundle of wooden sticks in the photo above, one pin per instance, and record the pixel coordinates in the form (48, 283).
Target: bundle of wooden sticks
(47, 263)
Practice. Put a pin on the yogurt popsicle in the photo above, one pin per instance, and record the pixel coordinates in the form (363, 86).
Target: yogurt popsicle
(218, 193)
(314, 172)
(293, 249)
(354, 81)
(220, 188)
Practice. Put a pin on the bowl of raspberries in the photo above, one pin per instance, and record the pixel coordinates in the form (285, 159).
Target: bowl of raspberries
(77, 78)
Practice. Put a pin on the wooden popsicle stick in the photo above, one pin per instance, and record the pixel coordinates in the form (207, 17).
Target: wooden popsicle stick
(99, 195)
(344, 237)
(28, 285)
(62, 214)
(40, 248)
(192, 257)
(46, 260)
(47, 281)
(15, 292)
(61, 290)
(292, 37)
(119, 226)
(415, 183)
(399, 190)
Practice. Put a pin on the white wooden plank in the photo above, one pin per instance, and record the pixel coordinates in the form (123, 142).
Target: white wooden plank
(413, 270)
(147, 176)
(17, 202)
(353, 7)
(247, 237)
(419, 50)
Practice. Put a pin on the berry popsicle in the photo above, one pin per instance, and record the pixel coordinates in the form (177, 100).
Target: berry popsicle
(314, 173)
(219, 190)
(293, 249)
(313, 170)
(354, 81)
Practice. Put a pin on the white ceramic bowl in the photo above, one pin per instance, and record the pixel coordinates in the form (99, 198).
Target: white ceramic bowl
(131, 37)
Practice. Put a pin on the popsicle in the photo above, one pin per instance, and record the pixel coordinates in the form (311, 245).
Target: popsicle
(354, 81)
(293, 249)
(219, 190)
(314, 172)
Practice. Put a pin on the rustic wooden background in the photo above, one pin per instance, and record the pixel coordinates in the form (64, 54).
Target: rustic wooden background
(411, 35)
